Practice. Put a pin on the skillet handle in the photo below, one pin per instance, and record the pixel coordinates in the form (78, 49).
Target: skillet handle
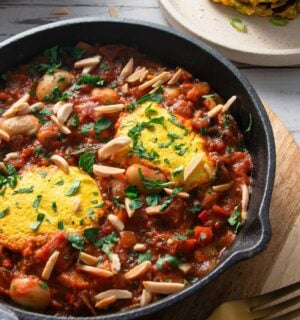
(6, 314)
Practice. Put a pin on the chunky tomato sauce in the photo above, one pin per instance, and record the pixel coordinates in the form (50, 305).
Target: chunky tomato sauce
(176, 245)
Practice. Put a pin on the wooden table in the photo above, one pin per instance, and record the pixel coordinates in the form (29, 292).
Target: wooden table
(280, 88)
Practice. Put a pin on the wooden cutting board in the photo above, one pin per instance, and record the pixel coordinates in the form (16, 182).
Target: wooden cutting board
(276, 266)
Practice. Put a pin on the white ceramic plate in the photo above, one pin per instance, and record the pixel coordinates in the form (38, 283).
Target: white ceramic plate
(263, 44)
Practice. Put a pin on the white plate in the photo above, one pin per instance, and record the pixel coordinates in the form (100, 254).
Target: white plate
(263, 43)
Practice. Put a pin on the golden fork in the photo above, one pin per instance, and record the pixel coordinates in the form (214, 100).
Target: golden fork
(255, 308)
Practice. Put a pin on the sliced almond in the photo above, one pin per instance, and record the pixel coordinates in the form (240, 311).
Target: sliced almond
(113, 146)
(185, 267)
(180, 194)
(112, 108)
(60, 162)
(228, 104)
(116, 222)
(124, 88)
(50, 265)
(115, 263)
(88, 69)
(128, 69)
(140, 247)
(76, 204)
(21, 109)
(105, 171)
(105, 303)
(138, 270)
(163, 287)
(245, 201)
(129, 211)
(137, 75)
(12, 156)
(64, 112)
(163, 77)
(57, 106)
(62, 128)
(153, 210)
(120, 294)
(87, 62)
(222, 187)
(214, 111)
(175, 77)
(88, 259)
(146, 297)
(18, 106)
(3, 168)
(112, 10)
(192, 165)
(95, 271)
(4, 135)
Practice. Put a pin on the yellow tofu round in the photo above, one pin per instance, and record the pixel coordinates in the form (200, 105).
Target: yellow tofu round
(43, 190)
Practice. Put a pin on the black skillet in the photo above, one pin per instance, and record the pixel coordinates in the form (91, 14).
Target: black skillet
(174, 49)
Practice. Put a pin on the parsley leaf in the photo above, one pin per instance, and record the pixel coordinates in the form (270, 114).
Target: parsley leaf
(74, 52)
(153, 199)
(152, 184)
(171, 260)
(24, 190)
(73, 121)
(86, 161)
(86, 128)
(91, 234)
(180, 236)
(39, 219)
(74, 188)
(56, 95)
(3, 212)
(235, 219)
(135, 204)
(76, 240)
(101, 124)
(60, 225)
(147, 256)
(60, 182)
(156, 97)
(170, 198)
(37, 201)
(109, 239)
(131, 192)
(177, 171)
(90, 80)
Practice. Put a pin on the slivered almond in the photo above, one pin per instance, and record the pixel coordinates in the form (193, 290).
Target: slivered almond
(128, 69)
(12, 156)
(175, 77)
(4, 135)
(138, 270)
(105, 303)
(50, 265)
(153, 210)
(88, 69)
(112, 10)
(245, 201)
(163, 287)
(87, 62)
(181, 194)
(129, 211)
(64, 112)
(155, 86)
(228, 104)
(137, 75)
(120, 294)
(214, 111)
(146, 297)
(116, 222)
(222, 187)
(60, 162)
(37, 106)
(57, 106)
(192, 165)
(124, 88)
(88, 259)
(76, 204)
(105, 171)
(208, 170)
(18, 106)
(163, 77)
(115, 263)
(112, 146)
(112, 108)
(60, 11)
(95, 271)
(3, 168)
(62, 128)
(185, 267)
(140, 247)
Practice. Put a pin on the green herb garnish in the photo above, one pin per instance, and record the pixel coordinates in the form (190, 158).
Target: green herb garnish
(87, 161)
(3, 212)
(101, 124)
(279, 21)
(235, 219)
(74, 188)
(39, 219)
(153, 199)
(24, 190)
(238, 24)
(171, 260)
(152, 184)
(91, 234)
(76, 240)
(37, 201)
(147, 256)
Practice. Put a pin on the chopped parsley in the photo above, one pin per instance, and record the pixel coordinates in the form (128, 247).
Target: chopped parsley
(171, 260)
(177, 124)
(147, 256)
(60, 225)
(153, 199)
(156, 97)
(101, 124)
(177, 171)
(180, 236)
(87, 161)
(56, 95)
(238, 24)
(74, 188)
(3, 212)
(279, 21)
(43, 285)
(37, 201)
(91, 213)
(152, 184)
(135, 204)
(24, 190)
(170, 198)
(90, 80)
(73, 121)
(60, 182)
(85, 129)
(131, 192)
(76, 240)
(91, 234)
(235, 219)
(39, 219)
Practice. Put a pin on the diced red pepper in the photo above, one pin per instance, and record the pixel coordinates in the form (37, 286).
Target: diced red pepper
(220, 212)
(69, 298)
(187, 245)
(204, 235)
(203, 216)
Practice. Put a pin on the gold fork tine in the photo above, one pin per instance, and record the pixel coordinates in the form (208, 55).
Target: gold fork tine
(276, 308)
(289, 316)
(271, 296)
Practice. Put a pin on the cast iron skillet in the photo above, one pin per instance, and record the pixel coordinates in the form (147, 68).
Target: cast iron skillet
(172, 48)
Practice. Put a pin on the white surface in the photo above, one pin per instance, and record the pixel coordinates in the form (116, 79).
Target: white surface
(279, 87)
(263, 43)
